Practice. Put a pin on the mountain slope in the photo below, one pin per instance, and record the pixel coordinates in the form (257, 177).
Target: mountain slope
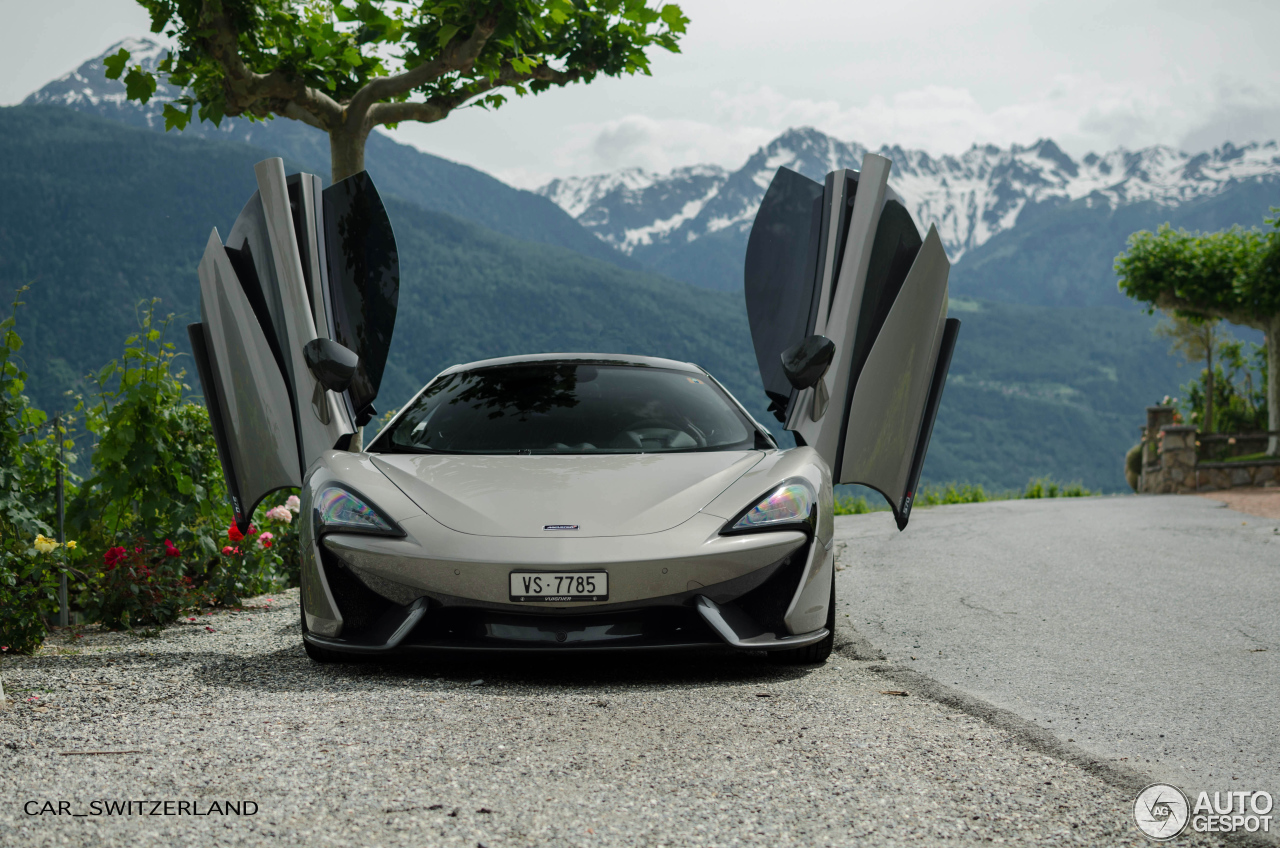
(428, 181)
(972, 198)
(100, 215)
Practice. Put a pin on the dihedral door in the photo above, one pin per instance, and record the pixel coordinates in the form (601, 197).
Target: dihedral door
(300, 263)
(844, 260)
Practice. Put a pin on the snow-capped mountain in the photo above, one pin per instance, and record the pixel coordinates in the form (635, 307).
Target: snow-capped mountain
(86, 89)
(970, 197)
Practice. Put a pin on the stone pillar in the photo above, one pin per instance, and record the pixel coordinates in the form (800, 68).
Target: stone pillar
(1177, 451)
(1157, 417)
(1152, 479)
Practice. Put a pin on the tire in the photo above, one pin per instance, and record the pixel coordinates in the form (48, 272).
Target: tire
(818, 651)
(315, 652)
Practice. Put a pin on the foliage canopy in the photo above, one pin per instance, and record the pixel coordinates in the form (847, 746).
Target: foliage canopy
(346, 66)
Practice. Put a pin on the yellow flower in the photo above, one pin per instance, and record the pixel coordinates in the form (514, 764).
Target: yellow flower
(71, 545)
(44, 544)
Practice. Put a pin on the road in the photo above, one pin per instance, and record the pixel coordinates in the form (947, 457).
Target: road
(1145, 630)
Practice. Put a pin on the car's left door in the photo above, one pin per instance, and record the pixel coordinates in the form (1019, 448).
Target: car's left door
(300, 264)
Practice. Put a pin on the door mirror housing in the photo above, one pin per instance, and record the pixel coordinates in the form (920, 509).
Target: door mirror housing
(333, 365)
(805, 363)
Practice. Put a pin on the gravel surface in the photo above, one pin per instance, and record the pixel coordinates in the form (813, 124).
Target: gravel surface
(703, 749)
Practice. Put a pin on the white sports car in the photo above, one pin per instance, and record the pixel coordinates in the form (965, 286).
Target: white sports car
(571, 502)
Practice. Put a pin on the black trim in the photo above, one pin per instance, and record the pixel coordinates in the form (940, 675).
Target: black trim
(206, 369)
(360, 607)
(950, 332)
(767, 603)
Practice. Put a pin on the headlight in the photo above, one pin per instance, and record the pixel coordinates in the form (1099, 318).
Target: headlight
(793, 504)
(339, 510)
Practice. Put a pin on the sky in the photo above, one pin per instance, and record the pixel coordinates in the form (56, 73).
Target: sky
(935, 75)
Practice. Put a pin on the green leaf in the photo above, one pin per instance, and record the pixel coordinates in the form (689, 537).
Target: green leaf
(13, 341)
(139, 84)
(176, 119)
(115, 63)
(446, 34)
(184, 483)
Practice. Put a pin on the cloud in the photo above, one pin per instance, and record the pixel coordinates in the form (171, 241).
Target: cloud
(1081, 113)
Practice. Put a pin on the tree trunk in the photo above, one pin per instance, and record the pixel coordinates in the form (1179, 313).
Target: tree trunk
(1273, 384)
(346, 151)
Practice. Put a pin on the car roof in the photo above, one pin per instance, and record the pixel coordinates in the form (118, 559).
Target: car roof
(598, 358)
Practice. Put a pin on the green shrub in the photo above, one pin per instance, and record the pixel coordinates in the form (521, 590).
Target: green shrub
(155, 468)
(853, 506)
(141, 584)
(29, 570)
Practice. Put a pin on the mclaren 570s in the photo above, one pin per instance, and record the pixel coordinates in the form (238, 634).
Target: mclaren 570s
(571, 501)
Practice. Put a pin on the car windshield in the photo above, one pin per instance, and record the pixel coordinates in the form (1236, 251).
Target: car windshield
(570, 408)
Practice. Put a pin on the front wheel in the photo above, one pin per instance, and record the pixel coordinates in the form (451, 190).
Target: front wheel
(818, 651)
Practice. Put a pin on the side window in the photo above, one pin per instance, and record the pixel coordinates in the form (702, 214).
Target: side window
(781, 276)
(364, 281)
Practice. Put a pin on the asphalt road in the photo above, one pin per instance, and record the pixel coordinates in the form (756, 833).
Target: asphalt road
(1145, 630)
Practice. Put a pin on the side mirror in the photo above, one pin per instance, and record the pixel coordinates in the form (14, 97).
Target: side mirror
(805, 363)
(333, 365)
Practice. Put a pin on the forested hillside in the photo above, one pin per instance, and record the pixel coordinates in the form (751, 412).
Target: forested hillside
(98, 215)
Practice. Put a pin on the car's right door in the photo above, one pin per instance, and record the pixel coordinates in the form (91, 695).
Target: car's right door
(844, 261)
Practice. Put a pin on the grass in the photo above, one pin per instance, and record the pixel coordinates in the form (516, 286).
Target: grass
(1249, 457)
(961, 493)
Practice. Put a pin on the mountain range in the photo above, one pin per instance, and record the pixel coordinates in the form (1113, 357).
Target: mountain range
(103, 208)
(693, 223)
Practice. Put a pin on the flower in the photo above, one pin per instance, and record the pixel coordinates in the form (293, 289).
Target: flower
(264, 541)
(234, 534)
(227, 550)
(292, 503)
(170, 550)
(280, 513)
(71, 545)
(44, 544)
(253, 528)
(113, 556)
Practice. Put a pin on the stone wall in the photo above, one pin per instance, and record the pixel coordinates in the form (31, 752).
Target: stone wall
(1170, 464)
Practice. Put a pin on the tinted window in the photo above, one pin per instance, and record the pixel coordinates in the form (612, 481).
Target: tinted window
(780, 273)
(364, 280)
(570, 408)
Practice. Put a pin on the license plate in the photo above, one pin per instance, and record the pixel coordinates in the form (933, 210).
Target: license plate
(559, 586)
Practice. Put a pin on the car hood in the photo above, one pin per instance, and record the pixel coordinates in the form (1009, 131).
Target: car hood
(609, 495)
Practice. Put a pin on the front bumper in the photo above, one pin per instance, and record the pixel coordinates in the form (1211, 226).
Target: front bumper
(747, 612)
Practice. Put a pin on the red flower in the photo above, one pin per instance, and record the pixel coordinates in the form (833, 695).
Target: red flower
(234, 534)
(253, 528)
(113, 556)
(170, 550)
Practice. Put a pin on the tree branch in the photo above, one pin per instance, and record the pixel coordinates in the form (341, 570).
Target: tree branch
(1170, 301)
(437, 108)
(245, 88)
(455, 57)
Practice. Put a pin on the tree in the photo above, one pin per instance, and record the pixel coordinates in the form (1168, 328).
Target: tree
(1233, 275)
(347, 66)
(1196, 339)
